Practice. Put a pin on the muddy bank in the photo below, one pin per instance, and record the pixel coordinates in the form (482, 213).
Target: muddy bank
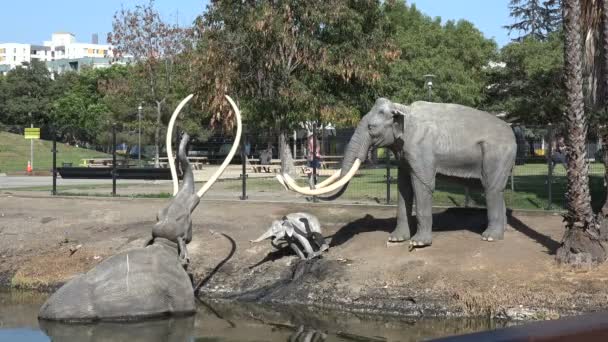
(46, 241)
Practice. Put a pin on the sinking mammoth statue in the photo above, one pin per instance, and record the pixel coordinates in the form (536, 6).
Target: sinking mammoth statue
(430, 140)
(150, 281)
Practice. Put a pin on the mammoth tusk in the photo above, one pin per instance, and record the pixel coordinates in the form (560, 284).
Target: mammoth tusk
(323, 184)
(314, 192)
(235, 146)
(169, 139)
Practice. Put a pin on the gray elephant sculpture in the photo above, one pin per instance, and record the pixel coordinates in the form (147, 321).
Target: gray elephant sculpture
(430, 140)
(297, 229)
(150, 281)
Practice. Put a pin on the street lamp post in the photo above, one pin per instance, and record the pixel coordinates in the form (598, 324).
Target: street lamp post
(139, 109)
(429, 84)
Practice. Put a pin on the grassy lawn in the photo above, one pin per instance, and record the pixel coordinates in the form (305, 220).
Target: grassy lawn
(15, 152)
(369, 185)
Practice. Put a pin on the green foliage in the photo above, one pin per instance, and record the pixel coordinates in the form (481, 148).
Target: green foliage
(456, 53)
(535, 19)
(530, 86)
(288, 61)
(26, 90)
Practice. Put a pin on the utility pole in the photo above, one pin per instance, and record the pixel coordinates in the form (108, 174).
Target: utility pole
(31, 143)
(29, 94)
(139, 109)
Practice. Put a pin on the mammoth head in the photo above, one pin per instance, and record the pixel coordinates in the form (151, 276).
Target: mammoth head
(174, 220)
(278, 230)
(384, 123)
(382, 126)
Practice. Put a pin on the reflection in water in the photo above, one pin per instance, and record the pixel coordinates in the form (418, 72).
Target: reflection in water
(304, 334)
(223, 322)
(170, 330)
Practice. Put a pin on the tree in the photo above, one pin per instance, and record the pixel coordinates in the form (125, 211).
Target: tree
(288, 61)
(155, 45)
(455, 52)
(595, 61)
(535, 18)
(78, 111)
(27, 95)
(529, 85)
(583, 241)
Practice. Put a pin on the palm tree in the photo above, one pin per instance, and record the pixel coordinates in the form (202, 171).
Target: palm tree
(582, 242)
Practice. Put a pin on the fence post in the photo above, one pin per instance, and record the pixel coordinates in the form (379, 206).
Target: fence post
(244, 171)
(314, 158)
(467, 196)
(512, 180)
(113, 159)
(388, 176)
(549, 168)
(54, 191)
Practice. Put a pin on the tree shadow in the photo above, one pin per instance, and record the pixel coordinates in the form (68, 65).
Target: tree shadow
(472, 219)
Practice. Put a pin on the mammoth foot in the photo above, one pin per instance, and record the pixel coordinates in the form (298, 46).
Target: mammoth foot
(400, 234)
(421, 239)
(493, 234)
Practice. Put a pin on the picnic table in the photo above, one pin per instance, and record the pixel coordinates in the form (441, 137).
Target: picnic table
(196, 162)
(273, 166)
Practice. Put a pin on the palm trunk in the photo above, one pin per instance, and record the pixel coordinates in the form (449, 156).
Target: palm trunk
(581, 243)
(604, 130)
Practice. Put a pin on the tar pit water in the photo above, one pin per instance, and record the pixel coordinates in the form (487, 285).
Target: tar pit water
(219, 321)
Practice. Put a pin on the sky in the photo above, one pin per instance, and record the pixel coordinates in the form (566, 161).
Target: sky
(34, 21)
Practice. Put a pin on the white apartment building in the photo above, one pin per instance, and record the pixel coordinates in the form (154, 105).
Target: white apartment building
(63, 45)
(14, 54)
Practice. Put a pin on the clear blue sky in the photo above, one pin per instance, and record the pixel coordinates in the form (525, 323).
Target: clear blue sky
(34, 21)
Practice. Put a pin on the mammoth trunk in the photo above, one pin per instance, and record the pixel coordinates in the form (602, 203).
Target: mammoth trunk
(357, 147)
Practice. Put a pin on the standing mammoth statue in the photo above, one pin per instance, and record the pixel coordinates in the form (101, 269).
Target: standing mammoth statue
(430, 140)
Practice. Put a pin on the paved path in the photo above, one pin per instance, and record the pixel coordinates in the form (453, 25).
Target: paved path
(11, 182)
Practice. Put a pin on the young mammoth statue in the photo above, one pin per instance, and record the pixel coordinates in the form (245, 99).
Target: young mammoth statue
(298, 230)
(150, 281)
(430, 140)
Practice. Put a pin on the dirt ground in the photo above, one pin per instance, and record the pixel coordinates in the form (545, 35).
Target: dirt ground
(44, 241)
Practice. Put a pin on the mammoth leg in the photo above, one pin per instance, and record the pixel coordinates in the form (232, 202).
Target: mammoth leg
(296, 249)
(496, 170)
(495, 202)
(183, 252)
(404, 207)
(306, 245)
(423, 194)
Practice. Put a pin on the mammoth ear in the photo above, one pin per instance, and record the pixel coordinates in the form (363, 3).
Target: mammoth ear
(398, 120)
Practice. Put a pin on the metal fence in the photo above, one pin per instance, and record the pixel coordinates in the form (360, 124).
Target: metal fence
(536, 183)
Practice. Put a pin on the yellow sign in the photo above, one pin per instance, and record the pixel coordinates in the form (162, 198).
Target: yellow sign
(32, 133)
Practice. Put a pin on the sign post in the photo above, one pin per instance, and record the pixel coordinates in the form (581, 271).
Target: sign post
(31, 134)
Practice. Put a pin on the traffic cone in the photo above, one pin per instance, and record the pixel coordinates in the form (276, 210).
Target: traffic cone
(29, 167)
